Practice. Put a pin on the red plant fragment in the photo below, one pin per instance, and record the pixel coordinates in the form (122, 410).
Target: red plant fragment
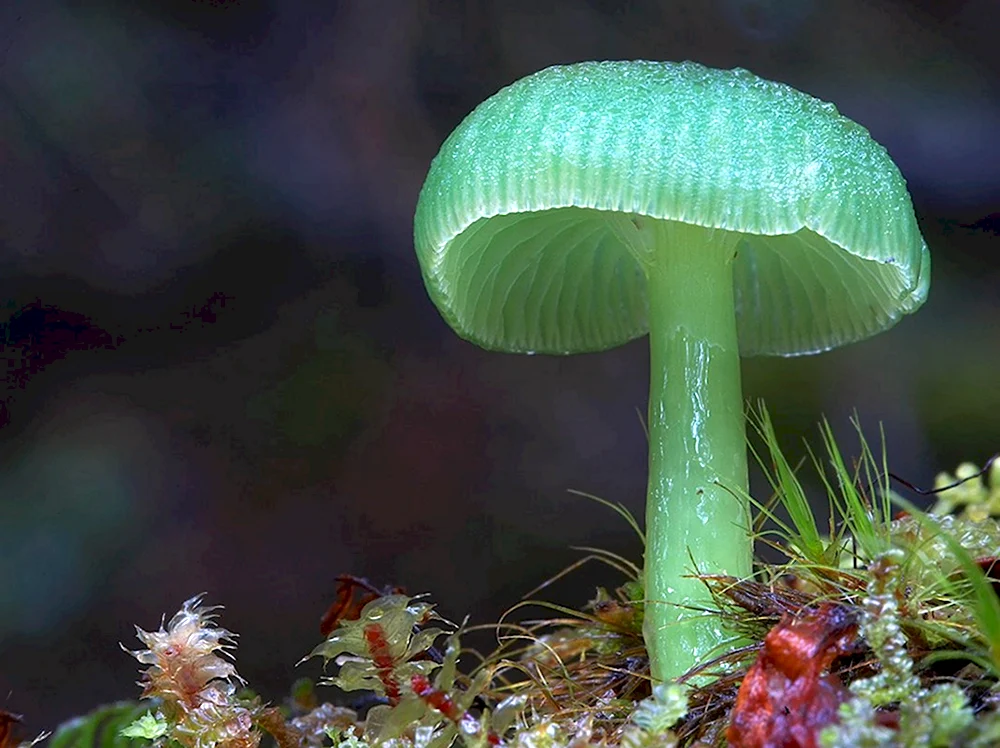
(788, 696)
(348, 605)
(442, 702)
(381, 654)
(8, 725)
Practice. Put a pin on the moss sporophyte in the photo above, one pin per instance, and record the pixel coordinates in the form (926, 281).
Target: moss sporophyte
(724, 215)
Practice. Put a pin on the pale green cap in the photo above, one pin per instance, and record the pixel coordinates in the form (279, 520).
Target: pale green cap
(518, 255)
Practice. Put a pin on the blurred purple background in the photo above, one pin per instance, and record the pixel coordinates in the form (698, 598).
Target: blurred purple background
(223, 373)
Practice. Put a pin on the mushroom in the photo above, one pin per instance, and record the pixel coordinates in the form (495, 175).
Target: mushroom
(586, 205)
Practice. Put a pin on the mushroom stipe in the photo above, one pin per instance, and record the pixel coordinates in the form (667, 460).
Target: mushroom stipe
(724, 215)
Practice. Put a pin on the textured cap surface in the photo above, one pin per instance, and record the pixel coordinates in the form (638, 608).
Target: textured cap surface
(517, 253)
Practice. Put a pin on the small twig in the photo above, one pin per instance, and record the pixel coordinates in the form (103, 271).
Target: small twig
(956, 484)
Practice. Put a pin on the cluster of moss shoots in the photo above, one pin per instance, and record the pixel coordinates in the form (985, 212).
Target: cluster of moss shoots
(893, 610)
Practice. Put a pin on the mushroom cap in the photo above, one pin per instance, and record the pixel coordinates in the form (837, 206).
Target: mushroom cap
(517, 252)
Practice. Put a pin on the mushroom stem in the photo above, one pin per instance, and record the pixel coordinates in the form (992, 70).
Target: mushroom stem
(697, 450)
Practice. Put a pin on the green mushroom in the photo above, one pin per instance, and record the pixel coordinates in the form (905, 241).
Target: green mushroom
(726, 215)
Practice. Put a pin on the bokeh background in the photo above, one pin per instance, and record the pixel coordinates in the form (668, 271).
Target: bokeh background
(222, 371)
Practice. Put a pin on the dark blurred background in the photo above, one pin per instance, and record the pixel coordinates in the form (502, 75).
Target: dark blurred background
(223, 373)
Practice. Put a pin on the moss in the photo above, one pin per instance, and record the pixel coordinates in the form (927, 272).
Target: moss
(917, 653)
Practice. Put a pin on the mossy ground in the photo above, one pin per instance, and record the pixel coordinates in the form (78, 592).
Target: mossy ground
(890, 618)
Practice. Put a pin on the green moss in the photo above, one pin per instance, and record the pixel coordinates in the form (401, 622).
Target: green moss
(927, 667)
